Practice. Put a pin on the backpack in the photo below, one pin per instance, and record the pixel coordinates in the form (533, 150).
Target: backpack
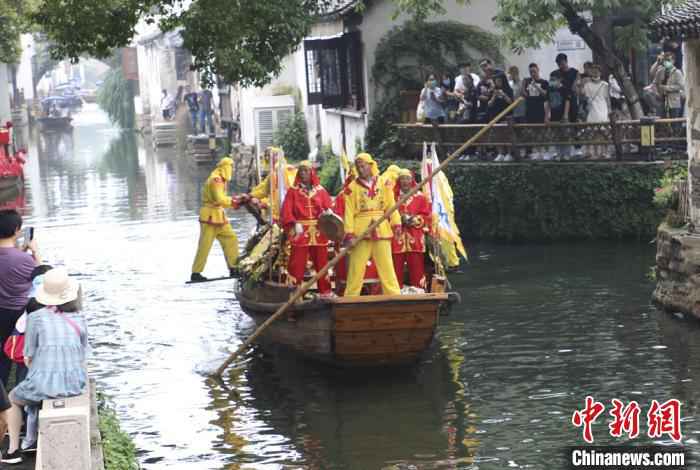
(14, 344)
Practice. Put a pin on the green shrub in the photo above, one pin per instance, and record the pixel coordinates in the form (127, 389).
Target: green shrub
(330, 174)
(548, 202)
(119, 450)
(293, 138)
(116, 97)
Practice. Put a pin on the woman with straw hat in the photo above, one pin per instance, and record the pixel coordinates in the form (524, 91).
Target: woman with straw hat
(54, 350)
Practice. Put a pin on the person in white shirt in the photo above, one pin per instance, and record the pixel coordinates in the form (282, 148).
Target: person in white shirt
(597, 92)
(465, 69)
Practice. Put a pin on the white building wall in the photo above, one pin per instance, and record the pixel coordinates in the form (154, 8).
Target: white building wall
(5, 111)
(24, 70)
(376, 22)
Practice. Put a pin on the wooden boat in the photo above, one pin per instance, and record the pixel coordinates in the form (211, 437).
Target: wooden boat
(363, 331)
(50, 123)
(10, 182)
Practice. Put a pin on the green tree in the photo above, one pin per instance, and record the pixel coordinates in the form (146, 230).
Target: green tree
(293, 139)
(116, 97)
(530, 23)
(242, 41)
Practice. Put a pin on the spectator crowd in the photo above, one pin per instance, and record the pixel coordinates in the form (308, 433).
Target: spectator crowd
(566, 95)
(43, 336)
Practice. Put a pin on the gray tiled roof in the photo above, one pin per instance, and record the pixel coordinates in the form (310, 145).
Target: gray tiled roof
(682, 22)
(337, 7)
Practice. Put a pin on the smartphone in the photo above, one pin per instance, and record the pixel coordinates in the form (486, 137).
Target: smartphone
(26, 237)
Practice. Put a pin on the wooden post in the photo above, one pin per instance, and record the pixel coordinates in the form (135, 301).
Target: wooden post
(513, 138)
(615, 130)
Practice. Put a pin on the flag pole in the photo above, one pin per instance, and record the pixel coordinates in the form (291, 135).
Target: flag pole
(301, 290)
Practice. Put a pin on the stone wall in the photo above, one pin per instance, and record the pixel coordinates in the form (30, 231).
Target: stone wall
(677, 271)
(692, 70)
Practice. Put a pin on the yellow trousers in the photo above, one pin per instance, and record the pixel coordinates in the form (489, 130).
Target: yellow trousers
(380, 252)
(227, 239)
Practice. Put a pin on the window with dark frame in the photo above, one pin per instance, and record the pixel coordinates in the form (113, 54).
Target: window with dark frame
(334, 71)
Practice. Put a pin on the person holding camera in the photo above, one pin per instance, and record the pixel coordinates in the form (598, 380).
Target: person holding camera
(433, 99)
(16, 266)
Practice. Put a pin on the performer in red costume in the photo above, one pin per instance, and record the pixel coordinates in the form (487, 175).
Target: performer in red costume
(409, 247)
(303, 205)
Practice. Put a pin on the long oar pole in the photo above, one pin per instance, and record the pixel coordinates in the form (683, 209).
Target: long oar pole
(307, 285)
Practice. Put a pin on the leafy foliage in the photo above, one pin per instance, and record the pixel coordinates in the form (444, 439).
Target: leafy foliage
(404, 56)
(293, 138)
(382, 137)
(408, 53)
(554, 202)
(530, 23)
(243, 41)
(116, 97)
(13, 22)
(119, 449)
(667, 195)
(330, 171)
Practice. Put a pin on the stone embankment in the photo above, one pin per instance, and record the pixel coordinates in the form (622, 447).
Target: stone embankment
(678, 271)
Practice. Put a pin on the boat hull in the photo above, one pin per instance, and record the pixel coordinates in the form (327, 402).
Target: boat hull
(367, 331)
(55, 123)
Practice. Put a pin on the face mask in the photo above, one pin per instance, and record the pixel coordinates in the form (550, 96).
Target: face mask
(446, 82)
(434, 83)
(595, 79)
(668, 64)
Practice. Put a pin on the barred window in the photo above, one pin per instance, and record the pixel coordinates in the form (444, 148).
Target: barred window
(334, 71)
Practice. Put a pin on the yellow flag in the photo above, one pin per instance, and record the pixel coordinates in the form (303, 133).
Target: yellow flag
(440, 194)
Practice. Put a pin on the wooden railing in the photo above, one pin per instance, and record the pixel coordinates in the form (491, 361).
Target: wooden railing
(624, 136)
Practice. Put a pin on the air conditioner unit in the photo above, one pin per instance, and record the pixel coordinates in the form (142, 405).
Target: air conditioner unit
(271, 113)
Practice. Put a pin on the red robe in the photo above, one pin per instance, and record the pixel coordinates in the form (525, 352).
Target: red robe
(412, 237)
(409, 247)
(304, 206)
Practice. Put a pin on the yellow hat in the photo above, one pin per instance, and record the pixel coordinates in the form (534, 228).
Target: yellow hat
(405, 172)
(367, 158)
(305, 164)
(226, 161)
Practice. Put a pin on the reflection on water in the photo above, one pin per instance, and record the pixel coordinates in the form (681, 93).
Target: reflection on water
(539, 328)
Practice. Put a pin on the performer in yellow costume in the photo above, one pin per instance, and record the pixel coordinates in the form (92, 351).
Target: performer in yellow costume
(366, 200)
(260, 194)
(213, 222)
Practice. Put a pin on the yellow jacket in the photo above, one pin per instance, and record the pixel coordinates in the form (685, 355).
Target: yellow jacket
(365, 204)
(215, 200)
(262, 191)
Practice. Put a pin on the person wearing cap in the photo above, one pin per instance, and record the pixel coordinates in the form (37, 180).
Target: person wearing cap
(213, 222)
(409, 247)
(366, 200)
(55, 351)
(304, 203)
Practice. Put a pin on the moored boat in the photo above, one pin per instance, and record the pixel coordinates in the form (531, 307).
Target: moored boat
(361, 331)
(55, 123)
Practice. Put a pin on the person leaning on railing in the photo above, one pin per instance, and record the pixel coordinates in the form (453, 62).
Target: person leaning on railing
(433, 99)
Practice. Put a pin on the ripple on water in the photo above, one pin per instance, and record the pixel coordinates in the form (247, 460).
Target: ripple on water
(540, 327)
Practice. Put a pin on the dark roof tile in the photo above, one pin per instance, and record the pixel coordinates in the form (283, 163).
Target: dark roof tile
(681, 22)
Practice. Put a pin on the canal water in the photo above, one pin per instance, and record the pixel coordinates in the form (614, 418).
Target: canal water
(539, 328)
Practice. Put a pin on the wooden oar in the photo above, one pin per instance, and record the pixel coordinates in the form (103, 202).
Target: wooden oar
(307, 285)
